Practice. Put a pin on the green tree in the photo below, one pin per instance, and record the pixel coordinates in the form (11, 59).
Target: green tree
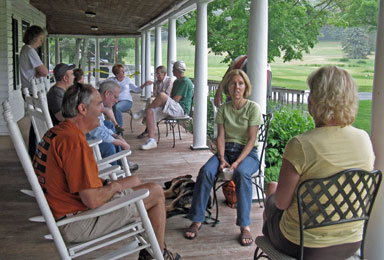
(293, 27)
(355, 43)
(354, 13)
(107, 48)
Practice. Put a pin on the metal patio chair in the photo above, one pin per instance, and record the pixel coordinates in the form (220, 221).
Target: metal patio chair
(344, 197)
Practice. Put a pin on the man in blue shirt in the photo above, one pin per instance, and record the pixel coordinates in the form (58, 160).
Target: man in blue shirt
(112, 142)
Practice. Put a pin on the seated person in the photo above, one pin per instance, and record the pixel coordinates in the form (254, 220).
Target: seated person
(125, 101)
(178, 104)
(64, 79)
(241, 63)
(332, 146)
(79, 75)
(238, 122)
(68, 174)
(112, 143)
(162, 84)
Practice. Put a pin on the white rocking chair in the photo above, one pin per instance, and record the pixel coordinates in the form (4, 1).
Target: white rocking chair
(70, 251)
(37, 109)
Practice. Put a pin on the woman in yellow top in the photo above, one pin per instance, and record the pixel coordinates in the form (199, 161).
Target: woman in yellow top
(332, 146)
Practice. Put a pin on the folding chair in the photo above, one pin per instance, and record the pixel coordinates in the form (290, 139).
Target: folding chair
(258, 176)
(69, 251)
(344, 197)
(172, 122)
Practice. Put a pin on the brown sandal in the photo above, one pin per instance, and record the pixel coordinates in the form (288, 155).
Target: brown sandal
(245, 234)
(194, 229)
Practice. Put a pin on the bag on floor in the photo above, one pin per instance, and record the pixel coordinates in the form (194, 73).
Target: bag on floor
(180, 191)
(229, 190)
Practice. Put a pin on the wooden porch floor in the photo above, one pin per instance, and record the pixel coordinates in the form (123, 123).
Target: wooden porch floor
(22, 239)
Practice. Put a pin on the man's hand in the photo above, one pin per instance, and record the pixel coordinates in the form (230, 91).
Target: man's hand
(147, 83)
(124, 145)
(121, 142)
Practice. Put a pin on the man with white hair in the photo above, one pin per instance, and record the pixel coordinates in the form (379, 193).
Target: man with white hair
(178, 104)
(112, 143)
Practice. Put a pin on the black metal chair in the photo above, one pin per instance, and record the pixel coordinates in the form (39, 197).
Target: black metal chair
(344, 197)
(172, 122)
(258, 176)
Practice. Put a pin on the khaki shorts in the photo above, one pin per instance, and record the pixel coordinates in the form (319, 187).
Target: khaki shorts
(171, 108)
(85, 230)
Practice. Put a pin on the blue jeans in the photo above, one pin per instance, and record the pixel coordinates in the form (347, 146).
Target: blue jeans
(119, 108)
(241, 177)
(107, 149)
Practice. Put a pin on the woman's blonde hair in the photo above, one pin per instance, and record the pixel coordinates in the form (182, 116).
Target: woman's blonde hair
(230, 75)
(332, 97)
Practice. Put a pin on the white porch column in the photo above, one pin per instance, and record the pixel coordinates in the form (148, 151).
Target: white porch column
(375, 234)
(158, 49)
(137, 62)
(257, 60)
(97, 60)
(57, 50)
(171, 45)
(201, 78)
(143, 61)
(258, 52)
(148, 92)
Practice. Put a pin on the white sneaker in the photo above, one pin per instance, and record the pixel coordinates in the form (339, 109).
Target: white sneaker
(149, 144)
(139, 115)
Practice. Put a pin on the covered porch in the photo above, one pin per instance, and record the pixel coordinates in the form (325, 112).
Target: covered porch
(23, 239)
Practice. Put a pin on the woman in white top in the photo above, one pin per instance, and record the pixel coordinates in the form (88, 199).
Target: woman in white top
(31, 65)
(126, 86)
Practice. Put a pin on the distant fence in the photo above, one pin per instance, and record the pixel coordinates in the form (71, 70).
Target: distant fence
(282, 95)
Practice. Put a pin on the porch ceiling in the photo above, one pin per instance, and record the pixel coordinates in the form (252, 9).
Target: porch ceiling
(113, 17)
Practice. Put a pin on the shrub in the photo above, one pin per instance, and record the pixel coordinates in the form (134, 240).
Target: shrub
(286, 124)
(361, 62)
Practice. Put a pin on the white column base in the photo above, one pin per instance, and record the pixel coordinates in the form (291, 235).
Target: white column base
(204, 147)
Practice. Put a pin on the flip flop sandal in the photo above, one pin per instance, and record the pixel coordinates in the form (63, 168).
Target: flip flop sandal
(194, 229)
(245, 234)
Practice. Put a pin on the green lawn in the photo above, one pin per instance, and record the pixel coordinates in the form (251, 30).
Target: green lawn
(290, 74)
(363, 119)
(294, 74)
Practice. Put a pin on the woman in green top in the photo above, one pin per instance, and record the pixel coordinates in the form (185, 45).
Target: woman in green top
(238, 122)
